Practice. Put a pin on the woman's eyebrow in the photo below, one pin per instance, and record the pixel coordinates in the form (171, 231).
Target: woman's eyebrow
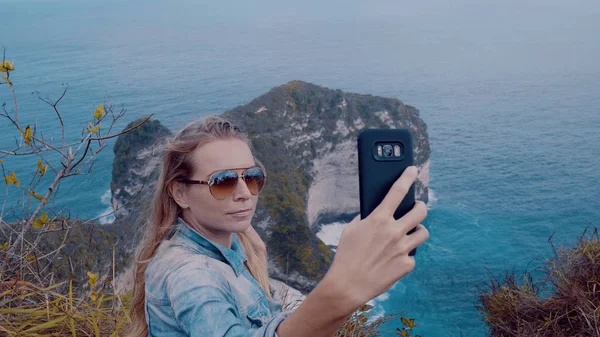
(231, 169)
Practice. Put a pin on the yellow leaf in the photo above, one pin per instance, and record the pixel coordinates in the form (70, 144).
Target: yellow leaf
(27, 135)
(52, 225)
(93, 296)
(41, 221)
(30, 257)
(12, 179)
(99, 112)
(410, 323)
(7, 80)
(6, 66)
(41, 169)
(403, 333)
(35, 195)
(93, 278)
(5, 245)
(94, 129)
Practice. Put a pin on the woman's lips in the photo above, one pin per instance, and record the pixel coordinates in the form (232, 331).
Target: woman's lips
(241, 213)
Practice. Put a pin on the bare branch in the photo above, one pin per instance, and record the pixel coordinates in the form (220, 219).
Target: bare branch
(49, 146)
(124, 131)
(6, 115)
(90, 160)
(112, 113)
(15, 122)
(53, 105)
(16, 107)
(15, 153)
(107, 137)
(57, 250)
(82, 156)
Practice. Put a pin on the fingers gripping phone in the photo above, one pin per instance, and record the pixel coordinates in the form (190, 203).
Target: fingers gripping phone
(383, 154)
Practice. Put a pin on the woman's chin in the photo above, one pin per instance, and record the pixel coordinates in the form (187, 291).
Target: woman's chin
(240, 226)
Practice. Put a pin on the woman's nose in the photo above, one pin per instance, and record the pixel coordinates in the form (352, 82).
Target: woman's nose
(241, 190)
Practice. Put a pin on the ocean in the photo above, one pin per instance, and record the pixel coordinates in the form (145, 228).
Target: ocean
(510, 91)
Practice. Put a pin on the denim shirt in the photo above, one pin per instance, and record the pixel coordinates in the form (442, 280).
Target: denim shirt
(195, 287)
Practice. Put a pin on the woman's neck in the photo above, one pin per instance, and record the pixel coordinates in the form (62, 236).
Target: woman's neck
(221, 237)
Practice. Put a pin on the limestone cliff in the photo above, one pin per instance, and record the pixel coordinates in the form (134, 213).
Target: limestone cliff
(305, 135)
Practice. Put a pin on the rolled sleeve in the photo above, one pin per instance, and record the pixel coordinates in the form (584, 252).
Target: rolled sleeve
(270, 329)
(204, 306)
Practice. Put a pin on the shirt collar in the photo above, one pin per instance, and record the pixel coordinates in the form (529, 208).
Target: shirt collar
(235, 256)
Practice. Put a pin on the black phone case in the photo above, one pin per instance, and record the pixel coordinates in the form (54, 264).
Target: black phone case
(376, 177)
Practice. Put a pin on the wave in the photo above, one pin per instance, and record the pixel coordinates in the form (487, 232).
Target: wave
(377, 312)
(106, 217)
(432, 198)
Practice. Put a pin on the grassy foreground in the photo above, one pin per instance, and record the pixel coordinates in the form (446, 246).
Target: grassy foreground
(565, 303)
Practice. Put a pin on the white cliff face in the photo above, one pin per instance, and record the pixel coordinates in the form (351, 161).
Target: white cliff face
(331, 233)
(335, 187)
(335, 183)
(422, 186)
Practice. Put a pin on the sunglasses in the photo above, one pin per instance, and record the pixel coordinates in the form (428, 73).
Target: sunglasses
(222, 183)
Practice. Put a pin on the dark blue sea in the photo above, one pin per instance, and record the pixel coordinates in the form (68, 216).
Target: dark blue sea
(510, 91)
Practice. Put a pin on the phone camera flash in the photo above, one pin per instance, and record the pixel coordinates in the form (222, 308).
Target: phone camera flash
(397, 150)
(379, 150)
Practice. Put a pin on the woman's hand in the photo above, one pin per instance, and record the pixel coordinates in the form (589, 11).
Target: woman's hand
(373, 253)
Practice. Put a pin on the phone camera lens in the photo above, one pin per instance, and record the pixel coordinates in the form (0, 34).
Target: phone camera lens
(388, 150)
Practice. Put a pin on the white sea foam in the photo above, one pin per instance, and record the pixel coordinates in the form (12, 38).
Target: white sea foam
(107, 216)
(382, 297)
(438, 250)
(331, 233)
(377, 312)
(432, 199)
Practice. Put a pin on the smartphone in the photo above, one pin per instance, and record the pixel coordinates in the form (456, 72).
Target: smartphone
(383, 154)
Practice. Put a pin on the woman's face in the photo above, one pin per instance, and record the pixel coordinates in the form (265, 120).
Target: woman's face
(217, 219)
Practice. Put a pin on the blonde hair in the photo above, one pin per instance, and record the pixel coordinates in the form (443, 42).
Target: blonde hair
(176, 166)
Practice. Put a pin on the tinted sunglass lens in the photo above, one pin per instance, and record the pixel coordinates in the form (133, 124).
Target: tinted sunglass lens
(223, 183)
(255, 179)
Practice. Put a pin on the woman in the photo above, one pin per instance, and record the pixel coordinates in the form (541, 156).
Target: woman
(201, 269)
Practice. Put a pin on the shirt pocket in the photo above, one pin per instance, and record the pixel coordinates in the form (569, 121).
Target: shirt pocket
(154, 309)
(258, 314)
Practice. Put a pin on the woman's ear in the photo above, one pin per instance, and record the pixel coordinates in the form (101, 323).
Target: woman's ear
(177, 192)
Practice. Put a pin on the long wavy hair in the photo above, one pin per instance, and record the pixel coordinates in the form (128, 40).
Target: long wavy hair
(176, 166)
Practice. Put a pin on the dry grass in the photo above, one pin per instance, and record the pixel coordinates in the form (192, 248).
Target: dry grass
(28, 310)
(570, 308)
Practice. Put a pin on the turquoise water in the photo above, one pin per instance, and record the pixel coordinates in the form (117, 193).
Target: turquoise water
(510, 92)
